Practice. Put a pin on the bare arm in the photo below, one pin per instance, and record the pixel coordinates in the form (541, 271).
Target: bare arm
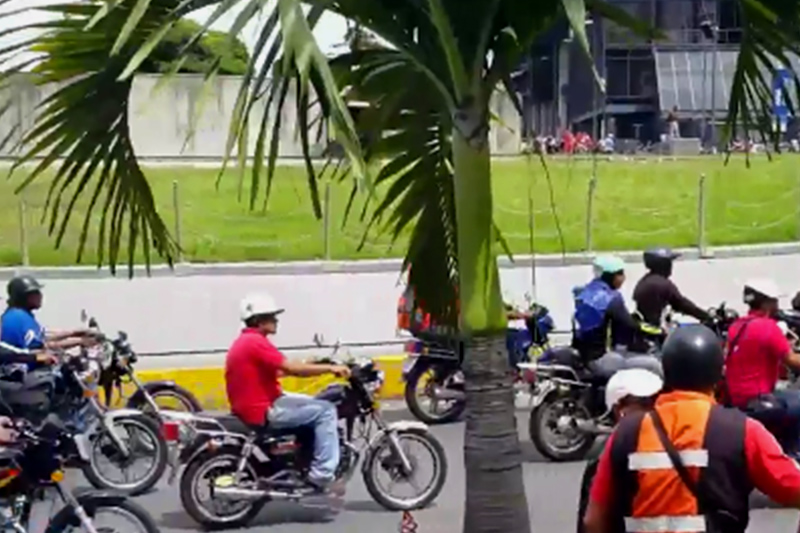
(65, 343)
(304, 370)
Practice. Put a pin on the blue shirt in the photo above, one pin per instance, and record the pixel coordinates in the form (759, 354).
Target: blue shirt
(20, 329)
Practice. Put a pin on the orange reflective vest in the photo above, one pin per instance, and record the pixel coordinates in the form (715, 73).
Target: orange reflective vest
(710, 440)
(411, 317)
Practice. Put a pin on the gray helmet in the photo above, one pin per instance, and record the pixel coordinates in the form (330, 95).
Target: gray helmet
(20, 287)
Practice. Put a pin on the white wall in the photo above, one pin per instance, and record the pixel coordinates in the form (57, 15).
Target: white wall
(200, 312)
(163, 114)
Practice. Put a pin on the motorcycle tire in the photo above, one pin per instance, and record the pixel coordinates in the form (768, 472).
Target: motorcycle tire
(421, 501)
(152, 428)
(67, 520)
(536, 422)
(192, 404)
(452, 414)
(188, 491)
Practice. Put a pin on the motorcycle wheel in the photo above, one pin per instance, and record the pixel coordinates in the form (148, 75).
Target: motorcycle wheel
(446, 416)
(102, 446)
(542, 428)
(218, 463)
(185, 399)
(381, 457)
(67, 520)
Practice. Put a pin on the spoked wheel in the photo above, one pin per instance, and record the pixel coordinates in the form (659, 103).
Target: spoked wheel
(552, 430)
(108, 515)
(135, 473)
(384, 471)
(197, 487)
(423, 394)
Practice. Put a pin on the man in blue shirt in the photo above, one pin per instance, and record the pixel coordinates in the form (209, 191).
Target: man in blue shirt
(20, 329)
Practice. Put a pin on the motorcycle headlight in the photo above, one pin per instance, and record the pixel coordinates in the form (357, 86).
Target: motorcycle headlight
(375, 385)
(91, 376)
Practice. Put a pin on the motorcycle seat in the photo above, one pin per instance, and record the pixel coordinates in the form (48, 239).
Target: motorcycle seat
(563, 355)
(234, 424)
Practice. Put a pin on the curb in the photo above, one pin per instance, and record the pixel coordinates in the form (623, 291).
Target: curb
(208, 383)
(377, 265)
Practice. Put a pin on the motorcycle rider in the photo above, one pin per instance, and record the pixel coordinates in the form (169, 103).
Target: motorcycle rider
(601, 320)
(655, 291)
(629, 391)
(757, 347)
(643, 482)
(20, 328)
(253, 367)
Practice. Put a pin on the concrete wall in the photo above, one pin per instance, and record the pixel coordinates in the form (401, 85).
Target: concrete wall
(200, 312)
(163, 115)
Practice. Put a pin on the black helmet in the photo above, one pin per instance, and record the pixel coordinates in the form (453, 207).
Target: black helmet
(692, 358)
(20, 287)
(659, 260)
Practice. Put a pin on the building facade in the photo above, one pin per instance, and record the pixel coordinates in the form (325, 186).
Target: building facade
(684, 69)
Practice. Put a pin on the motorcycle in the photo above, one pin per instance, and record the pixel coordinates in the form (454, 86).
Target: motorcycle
(118, 359)
(31, 471)
(245, 468)
(437, 359)
(119, 437)
(569, 410)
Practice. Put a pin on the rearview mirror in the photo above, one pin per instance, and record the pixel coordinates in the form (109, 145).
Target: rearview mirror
(84, 316)
(318, 340)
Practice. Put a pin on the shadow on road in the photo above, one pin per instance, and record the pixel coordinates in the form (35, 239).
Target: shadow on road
(366, 506)
(275, 513)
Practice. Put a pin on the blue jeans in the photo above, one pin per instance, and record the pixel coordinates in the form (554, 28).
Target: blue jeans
(792, 400)
(298, 410)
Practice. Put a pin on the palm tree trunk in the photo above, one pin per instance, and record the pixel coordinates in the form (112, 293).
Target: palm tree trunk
(495, 493)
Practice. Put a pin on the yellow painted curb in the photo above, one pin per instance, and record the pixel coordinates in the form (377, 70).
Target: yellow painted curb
(208, 384)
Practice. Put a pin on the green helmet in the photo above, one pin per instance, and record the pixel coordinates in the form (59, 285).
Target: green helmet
(608, 264)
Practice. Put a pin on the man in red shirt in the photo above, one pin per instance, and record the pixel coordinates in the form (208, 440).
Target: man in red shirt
(253, 367)
(757, 349)
(725, 454)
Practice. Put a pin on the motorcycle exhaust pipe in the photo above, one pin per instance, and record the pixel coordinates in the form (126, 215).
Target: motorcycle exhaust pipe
(241, 493)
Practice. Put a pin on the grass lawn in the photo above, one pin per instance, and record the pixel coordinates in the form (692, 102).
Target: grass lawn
(637, 204)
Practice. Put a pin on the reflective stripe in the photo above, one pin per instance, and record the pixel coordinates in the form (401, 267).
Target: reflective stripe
(661, 461)
(664, 524)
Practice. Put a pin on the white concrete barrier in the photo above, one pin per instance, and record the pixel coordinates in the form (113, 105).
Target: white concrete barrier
(200, 312)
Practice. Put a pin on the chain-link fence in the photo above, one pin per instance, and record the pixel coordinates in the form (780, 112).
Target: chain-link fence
(610, 207)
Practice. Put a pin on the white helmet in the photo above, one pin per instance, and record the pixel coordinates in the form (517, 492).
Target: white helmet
(764, 289)
(636, 382)
(258, 304)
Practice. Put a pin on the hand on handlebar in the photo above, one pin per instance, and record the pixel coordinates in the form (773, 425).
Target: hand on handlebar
(47, 358)
(340, 371)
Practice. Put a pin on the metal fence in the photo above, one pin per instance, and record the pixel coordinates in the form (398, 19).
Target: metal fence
(616, 207)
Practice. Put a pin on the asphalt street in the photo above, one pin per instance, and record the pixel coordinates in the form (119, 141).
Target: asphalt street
(552, 496)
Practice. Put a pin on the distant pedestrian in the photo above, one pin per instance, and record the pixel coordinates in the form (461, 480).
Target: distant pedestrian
(673, 126)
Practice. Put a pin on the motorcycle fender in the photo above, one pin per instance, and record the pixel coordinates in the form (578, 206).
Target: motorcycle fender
(204, 443)
(138, 396)
(110, 416)
(401, 425)
(543, 391)
(409, 363)
(83, 445)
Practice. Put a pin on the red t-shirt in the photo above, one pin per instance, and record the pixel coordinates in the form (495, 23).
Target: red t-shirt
(753, 367)
(771, 471)
(252, 368)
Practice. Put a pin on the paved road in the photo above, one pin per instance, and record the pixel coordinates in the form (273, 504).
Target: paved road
(552, 497)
